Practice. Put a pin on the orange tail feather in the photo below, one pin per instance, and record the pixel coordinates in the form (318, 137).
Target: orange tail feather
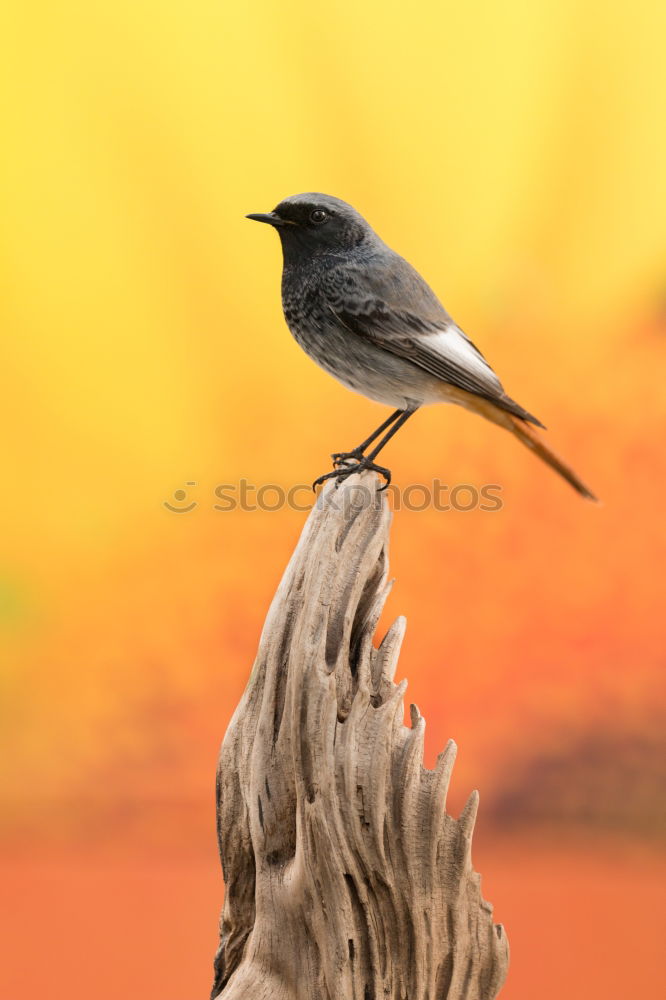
(531, 439)
(525, 434)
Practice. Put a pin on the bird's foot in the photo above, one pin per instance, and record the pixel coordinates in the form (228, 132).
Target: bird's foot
(348, 469)
(344, 457)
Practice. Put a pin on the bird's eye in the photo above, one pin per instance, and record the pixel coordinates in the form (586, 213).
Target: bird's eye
(318, 216)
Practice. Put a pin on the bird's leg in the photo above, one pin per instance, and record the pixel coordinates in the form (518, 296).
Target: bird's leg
(356, 454)
(403, 418)
(368, 461)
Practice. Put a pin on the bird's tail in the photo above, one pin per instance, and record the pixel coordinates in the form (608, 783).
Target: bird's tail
(531, 439)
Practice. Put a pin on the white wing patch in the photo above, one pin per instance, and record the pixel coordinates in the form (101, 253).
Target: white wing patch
(452, 345)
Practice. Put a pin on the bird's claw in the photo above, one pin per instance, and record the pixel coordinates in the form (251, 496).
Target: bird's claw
(340, 474)
(344, 457)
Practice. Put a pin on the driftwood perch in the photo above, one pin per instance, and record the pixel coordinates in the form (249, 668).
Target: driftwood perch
(345, 877)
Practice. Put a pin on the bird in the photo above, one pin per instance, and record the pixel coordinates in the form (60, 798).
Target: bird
(368, 318)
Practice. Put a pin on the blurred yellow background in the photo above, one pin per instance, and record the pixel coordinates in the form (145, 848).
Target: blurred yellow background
(515, 154)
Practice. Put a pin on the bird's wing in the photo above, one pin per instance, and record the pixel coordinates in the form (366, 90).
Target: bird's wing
(443, 351)
(395, 309)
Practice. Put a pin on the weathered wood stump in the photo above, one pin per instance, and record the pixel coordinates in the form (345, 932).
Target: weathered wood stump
(345, 877)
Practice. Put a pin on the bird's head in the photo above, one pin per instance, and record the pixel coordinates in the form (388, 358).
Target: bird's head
(313, 224)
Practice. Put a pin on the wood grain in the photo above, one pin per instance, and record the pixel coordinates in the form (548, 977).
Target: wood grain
(345, 877)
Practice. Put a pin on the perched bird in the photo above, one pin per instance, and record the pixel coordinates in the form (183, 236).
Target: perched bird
(367, 317)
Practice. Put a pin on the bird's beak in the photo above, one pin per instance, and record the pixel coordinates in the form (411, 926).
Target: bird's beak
(270, 218)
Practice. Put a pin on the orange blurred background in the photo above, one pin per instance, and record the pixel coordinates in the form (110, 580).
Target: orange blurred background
(515, 154)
